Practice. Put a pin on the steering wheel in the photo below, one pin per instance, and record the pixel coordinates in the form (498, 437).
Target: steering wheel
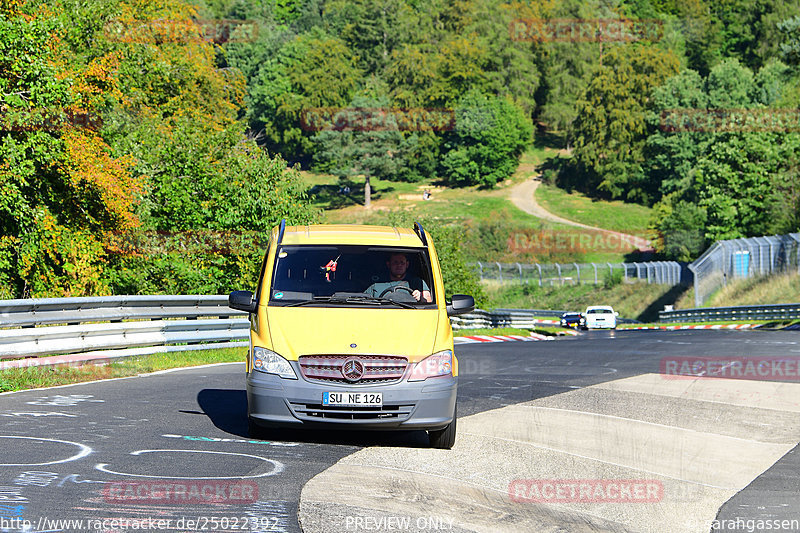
(395, 288)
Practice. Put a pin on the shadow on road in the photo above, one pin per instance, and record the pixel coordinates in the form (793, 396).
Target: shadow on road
(227, 410)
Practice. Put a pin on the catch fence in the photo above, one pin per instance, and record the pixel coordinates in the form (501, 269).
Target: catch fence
(733, 259)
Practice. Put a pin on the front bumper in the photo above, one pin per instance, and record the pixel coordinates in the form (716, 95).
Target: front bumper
(276, 402)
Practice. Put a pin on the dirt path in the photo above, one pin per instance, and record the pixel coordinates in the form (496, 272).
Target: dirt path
(523, 196)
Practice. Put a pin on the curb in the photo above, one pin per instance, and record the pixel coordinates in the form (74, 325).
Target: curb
(716, 326)
(471, 339)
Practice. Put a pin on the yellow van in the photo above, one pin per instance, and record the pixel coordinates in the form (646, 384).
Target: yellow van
(349, 328)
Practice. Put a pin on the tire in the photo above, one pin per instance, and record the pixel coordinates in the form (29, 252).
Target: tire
(443, 439)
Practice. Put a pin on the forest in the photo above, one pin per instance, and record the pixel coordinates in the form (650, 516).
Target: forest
(148, 146)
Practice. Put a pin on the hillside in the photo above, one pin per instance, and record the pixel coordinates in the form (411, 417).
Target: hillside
(495, 229)
(783, 288)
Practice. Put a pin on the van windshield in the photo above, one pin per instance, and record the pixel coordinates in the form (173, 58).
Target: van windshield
(329, 275)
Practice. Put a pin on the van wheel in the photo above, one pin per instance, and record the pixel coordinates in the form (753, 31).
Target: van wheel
(443, 439)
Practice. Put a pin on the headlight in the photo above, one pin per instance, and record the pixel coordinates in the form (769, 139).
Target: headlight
(271, 363)
(438, 364)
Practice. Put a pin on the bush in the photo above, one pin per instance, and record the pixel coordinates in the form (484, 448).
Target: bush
(612, 279)
(459, 278)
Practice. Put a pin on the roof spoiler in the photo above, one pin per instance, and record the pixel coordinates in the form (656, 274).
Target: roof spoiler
(420, 233)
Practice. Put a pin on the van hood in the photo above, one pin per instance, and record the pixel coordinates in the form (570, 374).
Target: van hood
(297, 331)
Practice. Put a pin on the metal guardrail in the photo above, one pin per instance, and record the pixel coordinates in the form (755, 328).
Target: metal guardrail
(510, 318)
(112, 327)
(109, 323)
(41, 311)
(501, 318)
(557, 314)
(739, 312)
(534, 312)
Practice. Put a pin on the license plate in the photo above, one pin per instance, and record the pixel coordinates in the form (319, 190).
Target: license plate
(352, 398)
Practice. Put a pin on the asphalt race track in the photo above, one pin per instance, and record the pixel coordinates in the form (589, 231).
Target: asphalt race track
(170, 451)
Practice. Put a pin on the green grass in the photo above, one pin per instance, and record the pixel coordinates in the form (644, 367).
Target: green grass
(324, 191)
(49, 376)
(491, 331)
(613, 215)
(450, 205)
(761, 290)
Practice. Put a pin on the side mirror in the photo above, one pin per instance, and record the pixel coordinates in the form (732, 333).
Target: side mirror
(460, 304)
(616, 313)
(243, 301)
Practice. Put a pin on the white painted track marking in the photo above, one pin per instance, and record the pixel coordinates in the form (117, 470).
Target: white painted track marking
(277, 467)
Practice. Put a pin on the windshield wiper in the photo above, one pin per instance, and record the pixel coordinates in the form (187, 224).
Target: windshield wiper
(364, 298)
(316, 300)
(351, 298)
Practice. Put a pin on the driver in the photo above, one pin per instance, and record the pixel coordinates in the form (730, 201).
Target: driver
(398, 265)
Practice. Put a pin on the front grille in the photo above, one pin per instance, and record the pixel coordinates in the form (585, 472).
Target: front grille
(325, 412)
(377, 368)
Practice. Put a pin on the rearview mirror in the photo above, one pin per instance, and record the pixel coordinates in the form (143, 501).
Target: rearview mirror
(460, 304)
(243, 301)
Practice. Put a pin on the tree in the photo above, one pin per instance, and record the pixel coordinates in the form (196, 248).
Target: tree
(362, 140)
(490, 133)
(510, 65)
(611, 128)
(162, 151)
(679, 228)
(372, 28)
(671, 151)
(63, 186)
(790, 47)
(311, 71)
(730, 169)
(567, 67)
(733, 182)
